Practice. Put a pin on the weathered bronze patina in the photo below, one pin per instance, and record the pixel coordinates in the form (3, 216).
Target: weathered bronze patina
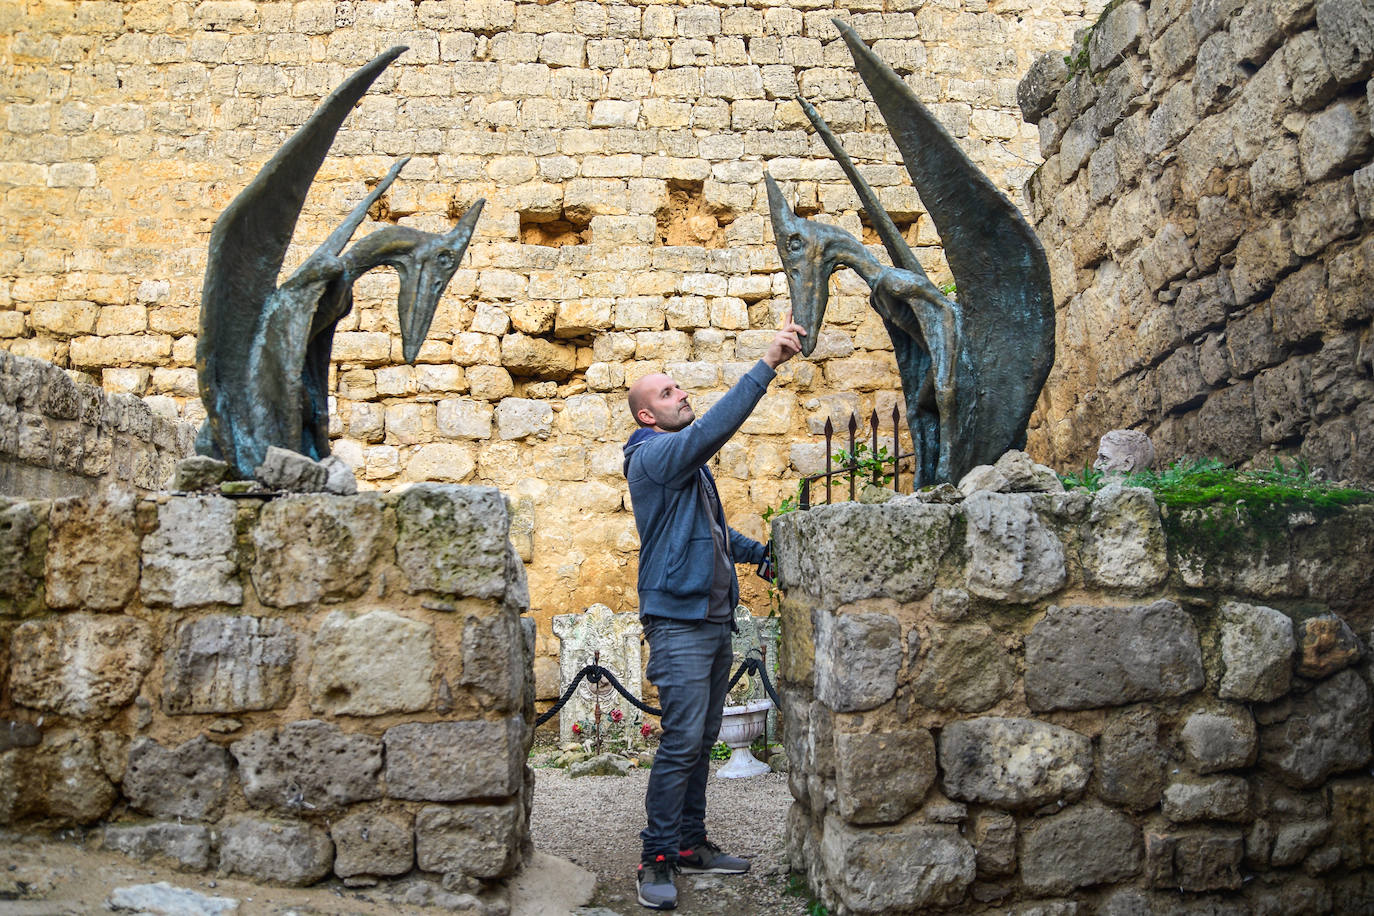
(971, 369)
(263, 353)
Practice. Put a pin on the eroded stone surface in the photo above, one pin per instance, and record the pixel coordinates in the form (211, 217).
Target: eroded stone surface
(61, 780)
(453, 761)
(370, 665)
(1083, 656)
(23, 542)
(1257, 648)
(1013, 555)
(1223, 738)
(1194, 859)
(1013, 763)
(1217, 798)
(308, 765)
(315, 547)
(92, 560)
(188, 845)
(475, 840)
(1326, 731)
(452, 539)
(965, 669)
(162, 898)
(1326, 644)
(881, 777)
(189, 560)
(893, 869)
(290, 852)
(1124, 543)
(85, 666)
(373, 842)
(857, 659)
(1131, 759)
(1080, 847)
(227, 664)
(189, 781)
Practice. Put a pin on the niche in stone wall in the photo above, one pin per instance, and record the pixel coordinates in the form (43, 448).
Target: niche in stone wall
(538, 227)
(687, 218)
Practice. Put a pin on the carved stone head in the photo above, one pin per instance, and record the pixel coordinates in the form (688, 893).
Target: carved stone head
(1122, 451)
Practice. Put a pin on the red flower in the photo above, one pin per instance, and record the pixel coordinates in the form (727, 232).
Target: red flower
(577, 729)
(646, 729)
(616, 716)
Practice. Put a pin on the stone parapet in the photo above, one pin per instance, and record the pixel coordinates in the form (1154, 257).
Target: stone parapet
(287, 689)
(60, 437)
(1207, 202)
(1069, 702)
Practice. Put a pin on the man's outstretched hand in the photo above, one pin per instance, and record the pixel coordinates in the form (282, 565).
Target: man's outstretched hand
(786, 343)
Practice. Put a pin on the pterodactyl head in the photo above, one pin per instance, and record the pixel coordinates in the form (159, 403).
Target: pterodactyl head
(424, 276)
(807, 260)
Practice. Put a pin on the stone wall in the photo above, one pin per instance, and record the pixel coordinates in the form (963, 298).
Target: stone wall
(286, 690)
(1207, 199)
(1059, 702)
(59, 437)
(620, 147)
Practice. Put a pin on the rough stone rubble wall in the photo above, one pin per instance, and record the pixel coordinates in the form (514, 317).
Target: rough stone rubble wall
(1051, 702)
(59, 437)
(282, 689)
(620, 147)
(1207, 199)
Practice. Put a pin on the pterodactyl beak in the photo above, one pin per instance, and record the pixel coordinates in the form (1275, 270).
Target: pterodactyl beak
(808, 278)
(423, 286)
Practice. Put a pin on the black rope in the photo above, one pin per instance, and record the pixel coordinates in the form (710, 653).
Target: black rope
(595, 673)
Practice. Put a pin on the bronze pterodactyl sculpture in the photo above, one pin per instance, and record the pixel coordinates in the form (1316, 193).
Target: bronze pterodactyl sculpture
(971, 369)
(262, 359)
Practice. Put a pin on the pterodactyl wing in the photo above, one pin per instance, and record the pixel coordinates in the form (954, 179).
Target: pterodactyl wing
(999, 266)
(247, 246)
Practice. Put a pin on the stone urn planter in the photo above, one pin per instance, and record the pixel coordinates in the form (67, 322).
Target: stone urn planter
(739, 726)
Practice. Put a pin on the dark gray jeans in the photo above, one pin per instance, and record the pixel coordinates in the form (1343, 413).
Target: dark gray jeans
(689, 662)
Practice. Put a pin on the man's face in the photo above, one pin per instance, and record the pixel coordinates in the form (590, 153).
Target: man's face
(668, 404)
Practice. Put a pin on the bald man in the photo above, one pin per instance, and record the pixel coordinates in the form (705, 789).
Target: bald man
(687, 596)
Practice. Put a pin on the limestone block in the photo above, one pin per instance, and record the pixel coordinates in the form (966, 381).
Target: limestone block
(465, 419)
(23, 543)
(1346, 29)
(61, 781)
(1326, 731)
(228, 664)
(308, 765)
(190, 559)
(371, 665)
(965, 669)
(162, 897)
(1326, 644)
(371, 841)
(293, 853)
(1081, 847)
(189, 781)
(1257, 647)
(1216, 798)
(452, 539)
(1013, 555)
(1223, 738)
(899, 869)
(1120, 31)
(848, 552)
(473, 349)
(881, 777)
(1083, 656)
(1194, 859)
(1124, 544)
(857, 659)
(993, 835)
(92, 559)
(444, 462)
(1040, 86)
(80, 665)
(1352, 822)
(291, 472)
(454, 761)
(188, 845)
(535, 357)
(1013, 763)
(315, 547)
(577, 317)
(489, 383)
(1014, 472)
(1131, 760)
(481, 841)
(492, 659)
(520, 418)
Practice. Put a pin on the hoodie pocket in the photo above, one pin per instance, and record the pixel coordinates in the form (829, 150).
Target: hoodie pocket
(691, 570)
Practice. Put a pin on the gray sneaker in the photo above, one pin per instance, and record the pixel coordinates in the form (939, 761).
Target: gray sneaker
(657, 890)
(706, 858)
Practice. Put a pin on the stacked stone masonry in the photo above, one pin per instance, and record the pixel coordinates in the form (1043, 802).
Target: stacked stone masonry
(620, 147)
(285, 689)
(1063, 703)
(1207, 199)
(59, 437)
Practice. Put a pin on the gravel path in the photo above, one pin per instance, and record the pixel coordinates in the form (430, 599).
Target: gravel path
(595, 822)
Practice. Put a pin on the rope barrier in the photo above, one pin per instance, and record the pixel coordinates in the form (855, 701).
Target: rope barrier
(595, 673)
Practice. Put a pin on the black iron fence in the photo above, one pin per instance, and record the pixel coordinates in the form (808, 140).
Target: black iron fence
(867, 458)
